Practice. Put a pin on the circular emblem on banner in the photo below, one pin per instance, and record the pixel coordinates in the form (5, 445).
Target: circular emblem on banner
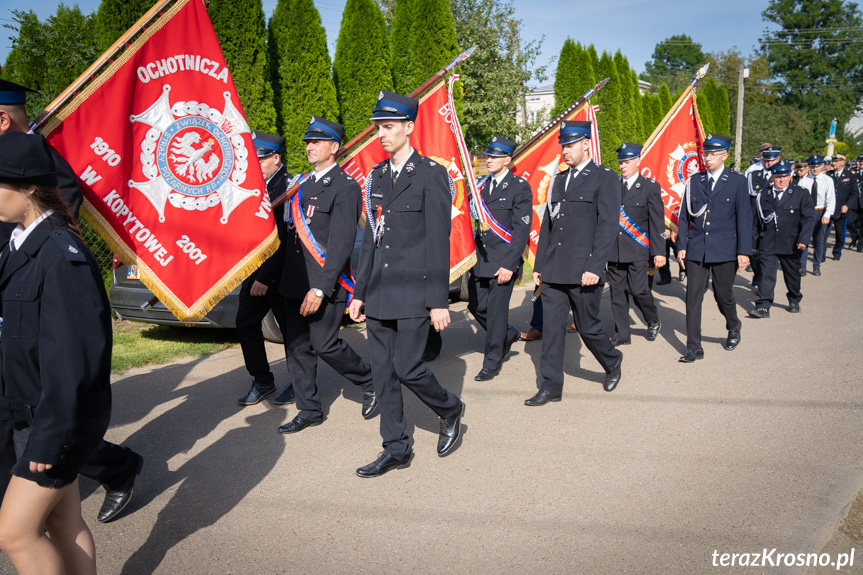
(682, 165)
(196, 158)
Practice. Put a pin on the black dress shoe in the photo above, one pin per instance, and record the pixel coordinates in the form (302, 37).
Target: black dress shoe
(612, 378)
(837, 257)
(618, 342)
(816, 272)
(430, 355)
(691, 355)
(542, 397)
(859, 247)
(802, 272)
(653, 329)
(754, 283)
(759, 313)
(733, 338)
(794, 307)
(286, 396)
(381, 465)
(664, 281)
(117, 499)
(450, 431)
(507, 345)
(298, 423)
(370, 404)
(681, 276)
(486, 374)
(257, 392)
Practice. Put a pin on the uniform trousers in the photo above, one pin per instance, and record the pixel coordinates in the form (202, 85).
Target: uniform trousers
(841, 227)
(489, 305)
(308, 338)
(557, 300)
(251, 311)
(630, 279)
(819, 241)
(697, 274)
(754, 261)
(790, 271)
(396, 348)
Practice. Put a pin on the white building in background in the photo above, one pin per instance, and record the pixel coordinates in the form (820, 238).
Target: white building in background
(540, 100)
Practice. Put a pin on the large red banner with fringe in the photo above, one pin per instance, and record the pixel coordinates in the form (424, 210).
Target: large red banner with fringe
(673, 153)
(165, 158)
(433, 136)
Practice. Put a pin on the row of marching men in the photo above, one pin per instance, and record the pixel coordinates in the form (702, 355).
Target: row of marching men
(596, 228)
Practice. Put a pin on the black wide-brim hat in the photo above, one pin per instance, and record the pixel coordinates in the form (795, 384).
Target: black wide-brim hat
(26, 158)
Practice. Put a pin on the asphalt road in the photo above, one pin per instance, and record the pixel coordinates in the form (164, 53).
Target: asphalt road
(758, 448)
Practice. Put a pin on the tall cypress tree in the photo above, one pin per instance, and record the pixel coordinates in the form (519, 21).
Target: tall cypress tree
(242, 33)
(565, 80)
(608, 117)
(594, 61)
(705, 107)
(627, 111)
(665, 100)
(721, 108)
(638, 108)
(433, 37)
(401, 47)
(362, 65)
(302, 80)
(114, 17)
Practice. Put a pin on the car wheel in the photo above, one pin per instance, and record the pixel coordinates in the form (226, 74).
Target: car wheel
(270, 328)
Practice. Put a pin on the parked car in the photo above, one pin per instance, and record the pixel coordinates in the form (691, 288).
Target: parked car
(128, 294)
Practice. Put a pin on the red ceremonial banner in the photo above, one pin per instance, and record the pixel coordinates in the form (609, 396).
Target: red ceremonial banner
(539, 162)
(433, 136)
(674, 152)
(165, 159)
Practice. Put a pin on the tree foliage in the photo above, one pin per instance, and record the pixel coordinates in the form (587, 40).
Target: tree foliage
(114, 17)
(665, 101)
(361, 65)
(610, 109)
(301, 74)
(401, 46)
(575, 76)
(242, 33)
(675, 60)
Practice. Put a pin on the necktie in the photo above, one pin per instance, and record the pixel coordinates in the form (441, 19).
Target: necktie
(571, 176)
(395, 177)
(815, 192)
(491, 188)
(710, 183)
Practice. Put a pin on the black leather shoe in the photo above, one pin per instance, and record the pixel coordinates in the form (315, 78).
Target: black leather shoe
(664, 281)
(733, 338)
(450, 431)
(298, 423)
(754, 283)
(612, 378)
(852, 245)
(486, 374)
(541, 398)
(759, 313)
(507, 345)
(802, 273)
(618, 342)
(816, 272)
(286, 396)
(653, 329)
(691, 355)
(794, 307)
(837, 257)
(381, 465)
(429, 355)
(257, 392)
(370, 404)
(681, 276)
(117, 499)
(860, 247)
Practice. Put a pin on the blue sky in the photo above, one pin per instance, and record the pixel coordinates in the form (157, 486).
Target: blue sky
(632, 26)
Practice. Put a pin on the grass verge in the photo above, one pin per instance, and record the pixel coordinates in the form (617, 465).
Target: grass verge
(137, 344)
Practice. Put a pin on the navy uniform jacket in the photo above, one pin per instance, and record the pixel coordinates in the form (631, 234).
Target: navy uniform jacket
(724, 230)
(55, 347)
(582, 236)
(407, 273)
(511, 206)
(794, 222)
(643, 204)
(271, 270)
(335, 204)
(846, 192)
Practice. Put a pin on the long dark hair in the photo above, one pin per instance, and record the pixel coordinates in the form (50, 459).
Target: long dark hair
(46, 197)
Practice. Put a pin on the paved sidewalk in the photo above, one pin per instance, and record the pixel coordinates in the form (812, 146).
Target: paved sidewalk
(744, 450)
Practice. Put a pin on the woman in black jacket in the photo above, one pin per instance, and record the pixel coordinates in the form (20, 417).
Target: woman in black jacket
(55, 364)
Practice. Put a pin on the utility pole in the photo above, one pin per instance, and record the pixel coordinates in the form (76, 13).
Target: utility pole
(738, 138)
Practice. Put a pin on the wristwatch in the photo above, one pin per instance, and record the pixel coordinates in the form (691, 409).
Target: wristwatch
(318, 293)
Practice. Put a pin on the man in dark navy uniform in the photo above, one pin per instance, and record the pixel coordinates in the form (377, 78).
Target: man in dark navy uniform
(640, 237)
(322, 220)
(786, 221)
(507, 203)
(821, 189)
(759, 179)
(856, 231)
(113, 466)
(578, 232)
(715, 239)
(846, 202)
(260, 291)
(403, 281)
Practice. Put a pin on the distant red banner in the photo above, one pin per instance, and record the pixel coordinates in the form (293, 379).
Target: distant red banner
(433, 136)
(165, 158)
(541, 161)
(673, 153)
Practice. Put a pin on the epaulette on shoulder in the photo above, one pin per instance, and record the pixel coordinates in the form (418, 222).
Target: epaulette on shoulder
(606, 169)
(428, 161)
(522, 180)
(68, 247)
